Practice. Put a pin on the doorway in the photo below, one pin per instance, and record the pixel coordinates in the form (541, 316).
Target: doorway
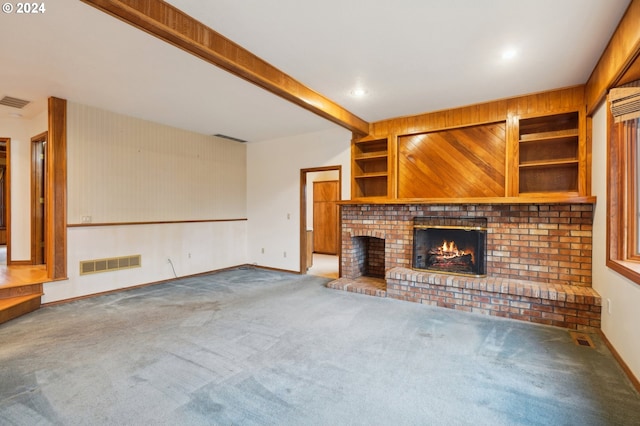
(5, 199)
(320, 190)
(38, 202)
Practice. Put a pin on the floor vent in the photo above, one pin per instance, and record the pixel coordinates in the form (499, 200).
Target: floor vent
(13, 102)
(111, 264)
(582, 339)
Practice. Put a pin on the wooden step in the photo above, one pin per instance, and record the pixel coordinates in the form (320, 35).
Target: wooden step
(10, 292)
(21, 290)
(16, 306)
(15, 276)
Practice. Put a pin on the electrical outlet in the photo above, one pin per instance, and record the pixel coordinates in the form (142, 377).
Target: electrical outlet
(189, 255)
(86, 219)
(285, 254)
(288, 217)
(262, 250)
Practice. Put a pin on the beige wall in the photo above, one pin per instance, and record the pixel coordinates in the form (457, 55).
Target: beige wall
(121, 170)
(273, 182)
(620, 297)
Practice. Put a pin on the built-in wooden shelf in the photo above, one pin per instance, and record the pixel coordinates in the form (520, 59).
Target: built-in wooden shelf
(550, 163)
(370, 167)
(549, 159)
(371, 175)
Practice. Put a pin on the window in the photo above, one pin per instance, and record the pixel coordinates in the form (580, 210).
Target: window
(623, 180)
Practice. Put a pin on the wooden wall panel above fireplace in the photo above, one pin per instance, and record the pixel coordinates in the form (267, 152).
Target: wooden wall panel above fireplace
(488, 145)
(468, 162)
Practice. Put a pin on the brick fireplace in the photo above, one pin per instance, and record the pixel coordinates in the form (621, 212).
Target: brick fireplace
(538, 260)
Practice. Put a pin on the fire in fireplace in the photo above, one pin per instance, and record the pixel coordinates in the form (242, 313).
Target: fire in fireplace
(450, 245)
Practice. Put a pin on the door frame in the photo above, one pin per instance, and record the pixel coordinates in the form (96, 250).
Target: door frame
(303, 214)
(7, 192)
(38, 167)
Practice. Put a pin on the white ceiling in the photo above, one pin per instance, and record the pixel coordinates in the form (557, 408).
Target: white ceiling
(411, 56)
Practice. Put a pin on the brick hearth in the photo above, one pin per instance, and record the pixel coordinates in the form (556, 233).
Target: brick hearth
(538, 261)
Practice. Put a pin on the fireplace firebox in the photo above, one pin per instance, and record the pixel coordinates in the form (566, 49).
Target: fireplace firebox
(450, 245)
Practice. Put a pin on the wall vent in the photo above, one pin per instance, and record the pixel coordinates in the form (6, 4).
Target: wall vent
(110, 264)
(231, 138)
(14, 102)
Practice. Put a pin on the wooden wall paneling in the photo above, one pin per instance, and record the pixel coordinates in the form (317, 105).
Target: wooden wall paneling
(404, 176)
(56, 216)
(392, 184)
(588, 128)
(489, 112)
(584, 150)
(170, 24)
(623, 47)
(551, 102)
(512, 156)
(465, 162)
(632, 74)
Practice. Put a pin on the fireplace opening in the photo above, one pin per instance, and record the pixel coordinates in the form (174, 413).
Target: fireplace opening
(369, 255)
(450, 245)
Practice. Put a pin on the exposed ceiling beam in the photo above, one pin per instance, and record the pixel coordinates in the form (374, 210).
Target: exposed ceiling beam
(174, 26)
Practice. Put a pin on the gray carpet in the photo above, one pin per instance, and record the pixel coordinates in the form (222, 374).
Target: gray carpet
(256, 347)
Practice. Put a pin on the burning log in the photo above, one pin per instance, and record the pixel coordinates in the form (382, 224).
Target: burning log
(448, 258)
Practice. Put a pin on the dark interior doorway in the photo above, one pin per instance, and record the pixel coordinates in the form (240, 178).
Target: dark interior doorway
(38, 201)
(5, 199)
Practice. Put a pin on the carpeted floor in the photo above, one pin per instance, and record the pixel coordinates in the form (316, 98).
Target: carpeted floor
(256, 347)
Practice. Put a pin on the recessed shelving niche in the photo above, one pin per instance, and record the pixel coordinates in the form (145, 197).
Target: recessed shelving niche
(370, 168)
(549, 158)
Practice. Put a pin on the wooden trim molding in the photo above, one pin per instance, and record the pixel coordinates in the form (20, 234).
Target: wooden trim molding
(617, 58)
(167, 222)
(478, 200)
(170, 24)
(634, 380)
(56, 198)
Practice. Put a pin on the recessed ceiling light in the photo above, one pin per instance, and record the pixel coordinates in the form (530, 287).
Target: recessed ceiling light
(509, 53)
(15, 115)
(359, 92)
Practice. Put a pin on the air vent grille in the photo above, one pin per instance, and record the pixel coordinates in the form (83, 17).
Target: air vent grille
(231, 138)
(582, 339)
(111, 264)
(14, 102)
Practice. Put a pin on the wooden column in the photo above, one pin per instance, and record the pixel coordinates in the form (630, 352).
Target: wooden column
(56, 196)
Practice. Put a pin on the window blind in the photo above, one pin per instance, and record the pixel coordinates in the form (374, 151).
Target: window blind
(625, 101)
